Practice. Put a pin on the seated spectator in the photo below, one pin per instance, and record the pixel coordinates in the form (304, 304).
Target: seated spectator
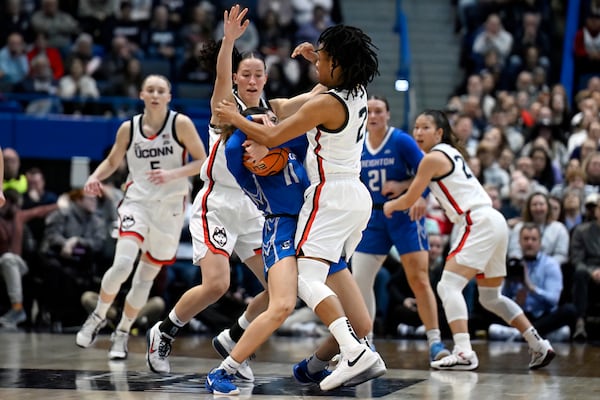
(571, 209)
(84, 50)
(41, 83)
(12, 265)
(512, 206)
(536, 283)
(544, 171)
(13, 179)
(591, 167)
(37, 195)
(587, 50)
(574, 181)
(124, 25)
(162, 39)
(114, 63)
(76, 88)
(555, 236)
(493, 36)
(14, 66)
(199, 28)
(40, 46)
(93, 15)
(127, 85)
(585, 258)
(463, 129)
(15, 19)
(59, 26)
(72, 241)
(194, 68)
(492, 173)
(589, 137)
(311, 30)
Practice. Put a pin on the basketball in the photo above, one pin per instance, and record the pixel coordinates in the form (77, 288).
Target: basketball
(275, 160)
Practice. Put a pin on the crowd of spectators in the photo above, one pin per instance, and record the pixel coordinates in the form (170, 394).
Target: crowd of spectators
(529, 141)
(71, 53)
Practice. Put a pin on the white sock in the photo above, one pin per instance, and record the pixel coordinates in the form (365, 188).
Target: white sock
(175, 320)
(230, 365)
(463, 342)
(532, 337)
(343, 332)
(243, 321)
(125, 323)
(433, 336)
(101, 308)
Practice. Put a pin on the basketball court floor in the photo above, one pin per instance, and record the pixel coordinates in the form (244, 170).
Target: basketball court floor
(44, 366)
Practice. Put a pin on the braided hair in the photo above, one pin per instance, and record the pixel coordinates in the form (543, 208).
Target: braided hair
(352, 50)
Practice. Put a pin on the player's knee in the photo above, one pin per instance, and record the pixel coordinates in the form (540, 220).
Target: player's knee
(450, 291)
(280, 309)
(311, 282)
(492, 299)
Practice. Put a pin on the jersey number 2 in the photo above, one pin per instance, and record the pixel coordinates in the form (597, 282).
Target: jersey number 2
(362, 114)
(464, 166)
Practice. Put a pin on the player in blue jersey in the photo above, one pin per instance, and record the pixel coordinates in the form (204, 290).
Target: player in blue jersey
(280, 198)
(391, 156)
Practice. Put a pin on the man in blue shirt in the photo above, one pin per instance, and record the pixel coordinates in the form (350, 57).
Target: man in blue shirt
(537, 288)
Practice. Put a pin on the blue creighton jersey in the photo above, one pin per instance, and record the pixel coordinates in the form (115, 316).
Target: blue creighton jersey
(396, 159)
(279, 194)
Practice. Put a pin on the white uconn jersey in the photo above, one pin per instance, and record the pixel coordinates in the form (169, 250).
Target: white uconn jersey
(214, 169)
(159, 151)
(338, 152)
(458, 191)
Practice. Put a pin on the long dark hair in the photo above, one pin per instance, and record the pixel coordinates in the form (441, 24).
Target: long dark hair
(352, 50)
(441, 122)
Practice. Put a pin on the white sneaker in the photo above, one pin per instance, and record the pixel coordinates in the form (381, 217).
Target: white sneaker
(541, 356)
(118, 349)
(375, 371)
(353, 362)
(158, 350)
(223, 344)
(458, 360)
(88, 332)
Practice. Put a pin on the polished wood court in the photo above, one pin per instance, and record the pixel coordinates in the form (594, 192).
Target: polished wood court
(50, 366)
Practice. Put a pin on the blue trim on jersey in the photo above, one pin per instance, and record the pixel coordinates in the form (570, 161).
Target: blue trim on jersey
(397, 159)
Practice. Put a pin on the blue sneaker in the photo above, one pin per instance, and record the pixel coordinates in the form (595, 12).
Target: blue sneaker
(437, 351)
(218, 381)
(303, 376)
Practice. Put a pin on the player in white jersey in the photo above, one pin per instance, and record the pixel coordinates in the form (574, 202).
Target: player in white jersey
(337, 205)
(479, 249)
(157, 145)
(224, 219)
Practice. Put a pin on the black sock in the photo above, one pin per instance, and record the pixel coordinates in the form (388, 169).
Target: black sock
(236, 331)
(169, 328)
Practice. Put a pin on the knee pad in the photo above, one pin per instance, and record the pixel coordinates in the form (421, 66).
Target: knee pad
(311, 282)
(125, 254)
(450, 290)
(492, 299)
(141, 284)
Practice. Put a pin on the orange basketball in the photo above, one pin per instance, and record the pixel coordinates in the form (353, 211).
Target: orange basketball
(275, 160)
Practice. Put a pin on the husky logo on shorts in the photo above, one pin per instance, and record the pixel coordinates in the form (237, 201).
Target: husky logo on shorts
(220, 236)
(128, 221)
